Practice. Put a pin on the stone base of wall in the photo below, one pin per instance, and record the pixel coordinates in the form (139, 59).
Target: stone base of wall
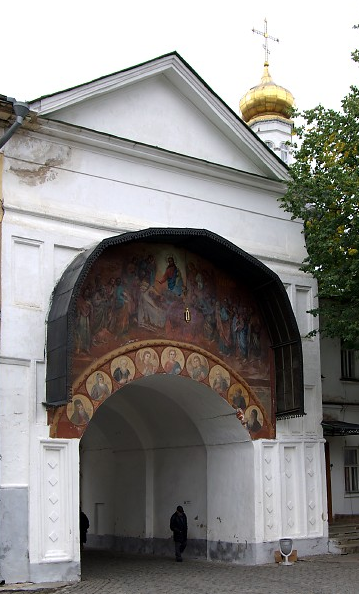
(241, 553)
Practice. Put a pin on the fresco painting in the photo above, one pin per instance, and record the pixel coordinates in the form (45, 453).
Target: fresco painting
(80, 410)
(130, 323)
(197, 367)
(99, 385)
(172, 360)
(114, 371)
(122, 370)
(147, 361)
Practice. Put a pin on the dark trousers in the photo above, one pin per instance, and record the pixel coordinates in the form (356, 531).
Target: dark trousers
(179, 548)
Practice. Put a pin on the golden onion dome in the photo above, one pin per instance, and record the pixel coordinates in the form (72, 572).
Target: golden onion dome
(266, 99)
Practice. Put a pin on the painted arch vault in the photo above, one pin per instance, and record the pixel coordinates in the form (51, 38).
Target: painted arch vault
(174, 302)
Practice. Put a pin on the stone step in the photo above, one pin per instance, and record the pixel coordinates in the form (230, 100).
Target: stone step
(349, 549)
(349, 534)
(344, 537)
(343, 529)
(346, 542)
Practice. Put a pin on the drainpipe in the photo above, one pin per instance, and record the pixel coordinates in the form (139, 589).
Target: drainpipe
(21, 110)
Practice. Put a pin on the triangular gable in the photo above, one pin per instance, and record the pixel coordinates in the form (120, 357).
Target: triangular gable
(164, 103)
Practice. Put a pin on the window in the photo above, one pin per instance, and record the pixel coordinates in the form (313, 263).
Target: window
(349, 363)
(351, 470)
(284, 152)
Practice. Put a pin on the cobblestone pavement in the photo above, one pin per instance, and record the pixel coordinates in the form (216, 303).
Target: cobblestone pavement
(103, 573)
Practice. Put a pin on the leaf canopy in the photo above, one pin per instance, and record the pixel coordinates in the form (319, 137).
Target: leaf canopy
(324, 193)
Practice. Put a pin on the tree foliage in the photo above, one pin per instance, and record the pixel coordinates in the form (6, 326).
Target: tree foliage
(324, 193)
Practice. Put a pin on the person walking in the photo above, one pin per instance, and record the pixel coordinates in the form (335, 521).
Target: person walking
(178, 525)
(84, 526)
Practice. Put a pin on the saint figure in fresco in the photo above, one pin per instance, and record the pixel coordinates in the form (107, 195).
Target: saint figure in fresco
(79, 416)
(100, 388)
(243, 330)
(173, 277)
(255, 330)
(199, 371)
(100, 306)
(120, 314)
(253, 423)
(220, 384)
(148, 367)
(83, 322)
(150, 312)
(122, 374)
(172, 366)
(131, 283)
(223, 326)
(111, 300)
(239, 401)
(147, 270)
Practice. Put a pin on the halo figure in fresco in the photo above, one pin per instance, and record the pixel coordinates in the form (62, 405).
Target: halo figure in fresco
(197, 367)
(237, 397)
(171, 366)
(173, 277)
(80, 411)
(147, 361)
(219, 380)
(122, 370)
(100, 388)
(253, 419)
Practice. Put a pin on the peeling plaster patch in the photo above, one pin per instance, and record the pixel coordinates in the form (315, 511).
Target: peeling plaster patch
(36, 162)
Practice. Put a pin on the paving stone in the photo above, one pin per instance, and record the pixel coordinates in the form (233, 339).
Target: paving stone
(103, 573)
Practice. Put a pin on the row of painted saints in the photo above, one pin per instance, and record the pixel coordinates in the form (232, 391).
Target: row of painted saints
(149, 293)
(100, 385)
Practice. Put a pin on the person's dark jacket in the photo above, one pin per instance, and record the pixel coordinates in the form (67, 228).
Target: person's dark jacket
(178, 525)
(84, 526)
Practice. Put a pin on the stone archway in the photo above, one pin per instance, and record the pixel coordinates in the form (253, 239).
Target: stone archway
(157, 442)
(139, 308)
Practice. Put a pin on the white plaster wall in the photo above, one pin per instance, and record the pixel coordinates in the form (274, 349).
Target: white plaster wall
(98, 490)
(231, 495)
(180, 478)
(130, 494)
(154, 112)
(112, 191)
(15, 418)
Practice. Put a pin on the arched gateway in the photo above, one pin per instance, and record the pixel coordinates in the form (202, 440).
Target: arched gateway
(172, 352)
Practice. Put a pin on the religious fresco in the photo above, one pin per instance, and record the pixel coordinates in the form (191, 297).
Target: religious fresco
(148, 309)
(113, 371)
(79, 412)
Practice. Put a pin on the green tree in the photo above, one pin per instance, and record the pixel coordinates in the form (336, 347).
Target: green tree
(324, 193)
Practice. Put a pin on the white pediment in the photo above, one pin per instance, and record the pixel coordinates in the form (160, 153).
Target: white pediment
(163, 103)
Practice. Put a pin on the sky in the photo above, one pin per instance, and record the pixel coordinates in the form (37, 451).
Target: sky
(49, 45)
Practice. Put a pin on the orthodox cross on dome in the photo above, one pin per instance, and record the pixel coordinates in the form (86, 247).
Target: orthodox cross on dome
(266, 37)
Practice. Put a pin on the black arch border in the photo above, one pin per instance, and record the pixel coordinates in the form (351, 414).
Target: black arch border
(272, 298)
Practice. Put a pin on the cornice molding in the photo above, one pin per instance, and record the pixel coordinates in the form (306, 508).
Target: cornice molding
(107, 144)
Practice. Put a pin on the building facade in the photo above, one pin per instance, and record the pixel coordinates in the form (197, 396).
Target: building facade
(153, 331)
